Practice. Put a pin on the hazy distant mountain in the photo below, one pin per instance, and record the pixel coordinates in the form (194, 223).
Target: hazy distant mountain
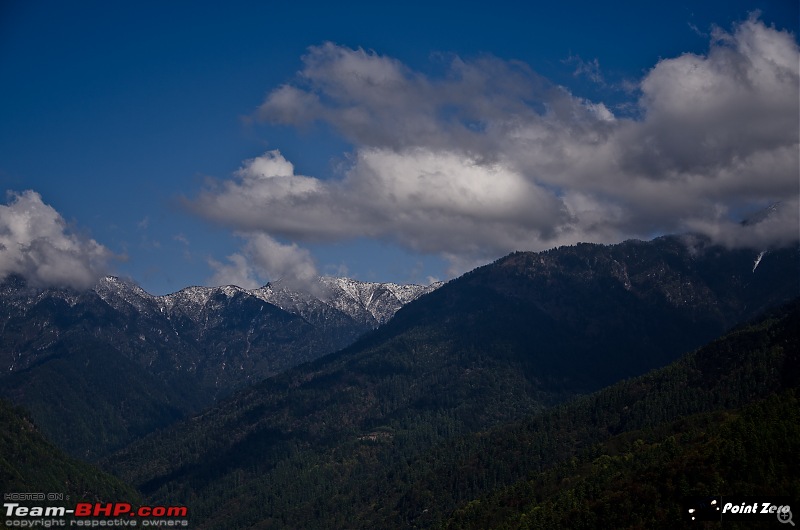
(102, 366)
(329, 443)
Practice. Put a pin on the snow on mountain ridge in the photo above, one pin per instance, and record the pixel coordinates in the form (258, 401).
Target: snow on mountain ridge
(117, 292)
(380, 300)
(188, 296)
(370, 303)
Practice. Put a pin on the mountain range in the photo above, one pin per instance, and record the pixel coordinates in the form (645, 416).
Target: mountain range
(356, 439)
(101, 367)
(512, 396)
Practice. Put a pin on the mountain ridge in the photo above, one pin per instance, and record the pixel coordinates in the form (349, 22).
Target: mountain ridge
(341, 295)
(172, 354)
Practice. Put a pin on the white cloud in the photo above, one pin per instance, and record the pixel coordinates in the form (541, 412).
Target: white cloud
(780, 227)
(264, 259)
(489, 157)
(237, 271)
(36, 244)
(428, 201)
(290, 264)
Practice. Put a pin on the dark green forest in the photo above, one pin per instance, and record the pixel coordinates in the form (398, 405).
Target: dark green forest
(727, 423)
(638, 479)
(30, 463)
(424, 468)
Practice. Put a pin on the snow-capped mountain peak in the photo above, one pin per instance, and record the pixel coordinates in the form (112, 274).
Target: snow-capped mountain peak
(117, 292)
(369, 303)
(378, 300)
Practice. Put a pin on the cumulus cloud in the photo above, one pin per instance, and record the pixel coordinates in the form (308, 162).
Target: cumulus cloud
(237, 271)
(488, 157)
(36, 244)
(263, 259)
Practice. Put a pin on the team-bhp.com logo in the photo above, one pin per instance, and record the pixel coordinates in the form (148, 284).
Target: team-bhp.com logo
(738, 508)
(94, 514)
(117, 509)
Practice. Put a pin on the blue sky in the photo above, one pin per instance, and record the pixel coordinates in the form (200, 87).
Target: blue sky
(185, 143)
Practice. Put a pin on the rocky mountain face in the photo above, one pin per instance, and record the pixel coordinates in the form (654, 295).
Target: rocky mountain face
(167, 355)
(238, 320)
(369, 304)
(333, 443)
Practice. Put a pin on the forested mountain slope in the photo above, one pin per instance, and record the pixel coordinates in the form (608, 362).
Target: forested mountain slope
(333, 443)
(31, 464)
(724, 420)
